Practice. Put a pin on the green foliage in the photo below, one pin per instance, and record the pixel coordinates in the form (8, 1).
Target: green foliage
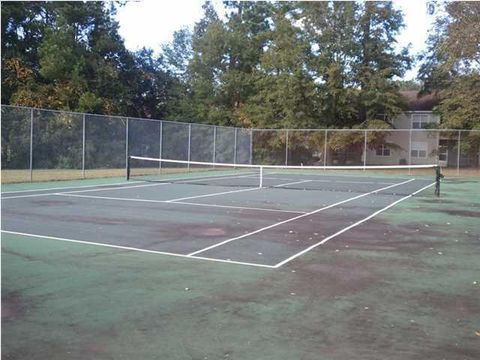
(285, 92)
(266, 64)
(69, 55)
(451, 66)
(89, 103)
(408, 85)
(460, 105)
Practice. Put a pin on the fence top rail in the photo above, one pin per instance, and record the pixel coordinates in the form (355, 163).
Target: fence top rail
(186, 122)
(368, 130)
(231, 127)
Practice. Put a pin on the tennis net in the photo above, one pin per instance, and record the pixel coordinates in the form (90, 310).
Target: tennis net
(407, 179)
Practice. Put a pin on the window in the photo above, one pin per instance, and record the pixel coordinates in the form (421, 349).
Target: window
(443, 150)
(419, 149)
(421, 121)
(383, 150)
(419, 153)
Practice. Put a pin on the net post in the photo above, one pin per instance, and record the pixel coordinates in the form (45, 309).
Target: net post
(189, 144)
(261, 177)
(438, 177)
(286, 147)
(128, 168)
(365, 151)
(458, 152)
(83, 146)
(31, 145)
(325, 149)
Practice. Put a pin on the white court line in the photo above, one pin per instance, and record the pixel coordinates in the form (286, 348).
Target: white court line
(296, 218)
(292, 183)
(213, 178)
(335, 180)
(220, 193)
(179, 203)
(79, 191)
(349, 227)
(66, 187)
(124, 183)
(212, 194)
(115, 188)
(239, 207)
(26, 196)
(136, 249)
(323, 174)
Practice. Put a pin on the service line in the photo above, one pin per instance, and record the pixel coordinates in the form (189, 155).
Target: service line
(179, 203)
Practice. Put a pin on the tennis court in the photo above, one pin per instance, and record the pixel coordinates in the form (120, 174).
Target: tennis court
(188, 261)
(290, 212)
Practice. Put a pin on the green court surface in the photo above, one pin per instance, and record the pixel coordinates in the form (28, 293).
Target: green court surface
(403, 284)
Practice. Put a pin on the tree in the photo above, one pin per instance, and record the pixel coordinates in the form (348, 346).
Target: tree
(451, 65)
(69, 55)
(330, 32)
(178, 53)
(378, 63)
(284, 90)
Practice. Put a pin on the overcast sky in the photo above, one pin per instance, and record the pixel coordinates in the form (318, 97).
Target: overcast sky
(151, 23)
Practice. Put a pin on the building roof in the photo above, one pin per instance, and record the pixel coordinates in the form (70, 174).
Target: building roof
(417, 102)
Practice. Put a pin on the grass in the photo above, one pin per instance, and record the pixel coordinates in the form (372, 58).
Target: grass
(42, 175)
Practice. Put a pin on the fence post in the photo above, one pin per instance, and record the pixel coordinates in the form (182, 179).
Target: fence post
(214, 144)
(286, 147)
(160, 142)
(31, 145)
(458, 152)
(189, 144)
(83, 146)
(325, 149)
(251, 147)
(365, 150)
(126, 144)
(235, 147)
(410, 151)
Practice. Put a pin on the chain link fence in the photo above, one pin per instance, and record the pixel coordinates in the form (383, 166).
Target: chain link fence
(40, 145)
(457, 151)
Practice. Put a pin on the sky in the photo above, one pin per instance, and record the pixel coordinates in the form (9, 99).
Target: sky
(151, 23)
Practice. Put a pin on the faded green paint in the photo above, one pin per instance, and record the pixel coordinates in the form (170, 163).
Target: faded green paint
(392, 288)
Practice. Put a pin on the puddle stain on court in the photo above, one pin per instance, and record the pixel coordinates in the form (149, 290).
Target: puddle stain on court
(52, 202)
(460, 213)
(13, 306)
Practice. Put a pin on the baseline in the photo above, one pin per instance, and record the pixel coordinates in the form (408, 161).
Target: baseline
(135, 249)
